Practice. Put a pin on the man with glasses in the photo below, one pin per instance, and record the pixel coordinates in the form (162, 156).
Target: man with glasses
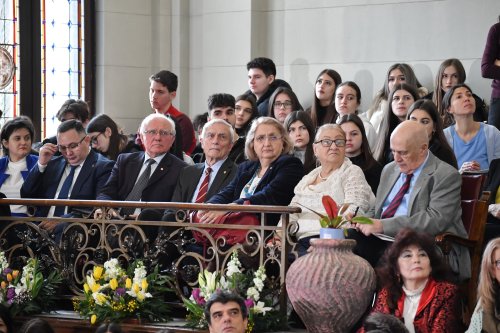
(78, 174)
(150, 175)
(419, 191)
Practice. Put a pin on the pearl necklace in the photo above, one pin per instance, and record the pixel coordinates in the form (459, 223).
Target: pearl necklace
(321, 177)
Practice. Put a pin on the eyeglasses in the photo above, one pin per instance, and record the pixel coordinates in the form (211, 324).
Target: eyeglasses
(328, 142)
(497, 264)
(262, 138)
(155, 132)
(285, 104)
(71, 146)
(94, 139)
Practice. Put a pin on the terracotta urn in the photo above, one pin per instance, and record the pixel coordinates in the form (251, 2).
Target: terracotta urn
(330, 288)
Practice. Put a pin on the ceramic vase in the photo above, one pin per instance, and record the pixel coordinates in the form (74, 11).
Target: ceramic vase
(331, 233)
(330, 288)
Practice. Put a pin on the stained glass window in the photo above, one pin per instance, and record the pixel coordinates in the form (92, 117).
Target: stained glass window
(9, 59)
(62, 58)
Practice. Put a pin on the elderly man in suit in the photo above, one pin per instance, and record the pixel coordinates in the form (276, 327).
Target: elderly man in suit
(150, 175)
(419, 191)
(79, 173)
(198, 183)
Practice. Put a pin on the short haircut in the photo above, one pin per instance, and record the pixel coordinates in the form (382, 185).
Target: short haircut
(14, 124)
(224, 296)
(152, 116)
(220, 100)
(69, 125)
(249, 144)
(232, 135)
(166, 78)
(79, 108)
(200, 120)
(264, 64)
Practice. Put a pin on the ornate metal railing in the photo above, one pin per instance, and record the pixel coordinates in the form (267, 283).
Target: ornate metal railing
(93, 239)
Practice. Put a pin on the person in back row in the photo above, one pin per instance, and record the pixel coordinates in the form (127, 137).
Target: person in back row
(262, 82)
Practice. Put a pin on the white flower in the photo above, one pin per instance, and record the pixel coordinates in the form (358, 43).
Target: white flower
(139, 273)
(3, 261)
(259, 284)
(234, 265)
(113, 269)
(253, 293)
(260, 308)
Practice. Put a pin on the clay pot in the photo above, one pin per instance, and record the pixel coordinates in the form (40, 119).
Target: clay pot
(330, 288)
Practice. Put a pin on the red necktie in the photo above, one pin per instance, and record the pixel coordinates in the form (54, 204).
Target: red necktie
(202, 192)
(393, 206)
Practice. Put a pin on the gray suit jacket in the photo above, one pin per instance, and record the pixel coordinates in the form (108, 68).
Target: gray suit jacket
(433, 207)
(189, 178)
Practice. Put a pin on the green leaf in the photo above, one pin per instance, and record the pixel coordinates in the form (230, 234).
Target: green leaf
(362, 220)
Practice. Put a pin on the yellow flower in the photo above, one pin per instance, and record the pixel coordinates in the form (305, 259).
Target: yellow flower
(95, 287)
(113, 284)
(136, 288)
(98, 272)
(86, 288)
(9, 277)
(15, 273)
(3, 284)
(140, 297)
(93, 319)
(128, 283)
(144, 284)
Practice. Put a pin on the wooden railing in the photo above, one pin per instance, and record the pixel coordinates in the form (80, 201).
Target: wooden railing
(87, 241)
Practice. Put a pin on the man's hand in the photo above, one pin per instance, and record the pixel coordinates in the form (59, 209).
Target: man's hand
(48, 225)
(46, 152)
(208, 216)
(368, 229)
(494, 209)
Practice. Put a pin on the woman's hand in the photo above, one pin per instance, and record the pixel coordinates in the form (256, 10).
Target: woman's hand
(470, 166)
(208, 216)
(494, 209)
(497, 62)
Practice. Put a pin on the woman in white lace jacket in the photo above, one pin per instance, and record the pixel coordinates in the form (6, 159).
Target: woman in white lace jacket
(336, 177)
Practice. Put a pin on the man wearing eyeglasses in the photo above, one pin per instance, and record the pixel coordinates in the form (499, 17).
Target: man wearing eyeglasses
(150, 175)
(79, 173)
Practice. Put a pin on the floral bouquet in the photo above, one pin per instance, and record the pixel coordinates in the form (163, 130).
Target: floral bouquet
(27, 292)
(113, 293)
(250, 286)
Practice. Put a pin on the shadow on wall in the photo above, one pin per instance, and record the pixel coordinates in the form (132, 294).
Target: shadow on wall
(424, 75)
(478, 84)
(299, 71)
(364, 79)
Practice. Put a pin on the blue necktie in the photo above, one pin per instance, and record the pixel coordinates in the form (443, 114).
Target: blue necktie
(64, 192)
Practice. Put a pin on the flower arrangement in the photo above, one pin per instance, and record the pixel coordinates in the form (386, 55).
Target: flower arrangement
(27, 292)
(334, 218)
(249, 285)
(113, 293)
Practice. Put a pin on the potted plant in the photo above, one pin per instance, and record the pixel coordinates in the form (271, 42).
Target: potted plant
(333, 224)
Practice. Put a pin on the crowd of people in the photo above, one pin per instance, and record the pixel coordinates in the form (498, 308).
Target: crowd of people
(398, 163)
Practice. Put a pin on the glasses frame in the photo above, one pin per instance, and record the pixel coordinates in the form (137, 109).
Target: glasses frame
(272, 138)
(285, 105)
(93, 141)
(72, 146)
(324, 143)
(155, 132)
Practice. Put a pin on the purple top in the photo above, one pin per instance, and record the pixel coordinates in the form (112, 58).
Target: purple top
(491, 53)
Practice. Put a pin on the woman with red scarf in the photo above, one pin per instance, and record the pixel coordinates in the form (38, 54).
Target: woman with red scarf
(414, 287)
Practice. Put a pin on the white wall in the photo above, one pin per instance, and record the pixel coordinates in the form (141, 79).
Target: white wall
(208, 43)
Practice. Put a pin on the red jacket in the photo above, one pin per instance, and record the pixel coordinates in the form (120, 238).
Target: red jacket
(187, 129)
(438, 309)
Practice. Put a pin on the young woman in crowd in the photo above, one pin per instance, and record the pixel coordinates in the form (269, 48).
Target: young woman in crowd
(322, 111)
(337, 177)
(485, 317)
(246, 111)
(414, 288)
(108, 139)
(347, 101)
(282, 102)
(401, 98)
(425, 112)
(490, 68)
(475, 144)
(397, 74)
(17, 136)
(358, 150)
(268, 177)
(301, 131)
(450, 73)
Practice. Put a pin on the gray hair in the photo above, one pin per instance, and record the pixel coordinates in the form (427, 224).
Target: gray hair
(249, 144)
(219, 121)
(152, 116)
(328, 127)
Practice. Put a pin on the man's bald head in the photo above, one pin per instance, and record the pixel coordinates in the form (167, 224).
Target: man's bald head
(409, 145)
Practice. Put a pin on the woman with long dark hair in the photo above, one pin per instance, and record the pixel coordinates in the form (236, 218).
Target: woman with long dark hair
(301, 130)
(245, 111)
(322, 111)
(282, 102)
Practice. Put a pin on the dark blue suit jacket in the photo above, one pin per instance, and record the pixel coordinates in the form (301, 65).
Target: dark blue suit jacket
(4, 161)
(275, 188)
(92, 177)
(124, 175)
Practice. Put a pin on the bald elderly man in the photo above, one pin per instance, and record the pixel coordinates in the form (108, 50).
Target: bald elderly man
(419, 191)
